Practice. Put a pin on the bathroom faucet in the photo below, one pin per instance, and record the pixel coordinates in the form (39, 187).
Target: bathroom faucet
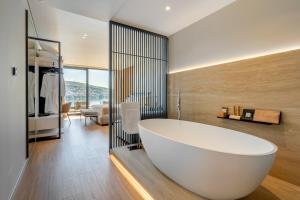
(178, 106)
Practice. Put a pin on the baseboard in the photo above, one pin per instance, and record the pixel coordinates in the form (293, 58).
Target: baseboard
(11, 197)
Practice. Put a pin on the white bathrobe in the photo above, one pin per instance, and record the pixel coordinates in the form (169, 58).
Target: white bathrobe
(49, 91)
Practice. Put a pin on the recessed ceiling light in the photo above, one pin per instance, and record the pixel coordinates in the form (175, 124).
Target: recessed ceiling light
(84, 36)
(168, 8)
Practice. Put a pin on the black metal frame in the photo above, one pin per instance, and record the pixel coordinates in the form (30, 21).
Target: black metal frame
(87, 88)
(59, 84)
(26, 82)
(138, 66)
(86, 69)
(110, 86)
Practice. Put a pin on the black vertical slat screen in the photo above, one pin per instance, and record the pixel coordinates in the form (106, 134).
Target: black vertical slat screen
(138, 73)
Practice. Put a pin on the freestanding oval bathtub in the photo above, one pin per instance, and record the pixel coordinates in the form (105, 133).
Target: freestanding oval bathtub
(214, 162)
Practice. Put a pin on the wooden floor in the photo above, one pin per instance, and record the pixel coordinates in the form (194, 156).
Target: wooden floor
(161, 187)
(77, 167)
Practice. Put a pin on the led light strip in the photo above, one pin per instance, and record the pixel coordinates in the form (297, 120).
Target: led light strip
(137, 186)
(234, 59)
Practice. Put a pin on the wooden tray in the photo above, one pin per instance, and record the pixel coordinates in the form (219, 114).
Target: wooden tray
(268, 116)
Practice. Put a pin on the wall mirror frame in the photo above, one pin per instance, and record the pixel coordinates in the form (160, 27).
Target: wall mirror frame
(41, 123)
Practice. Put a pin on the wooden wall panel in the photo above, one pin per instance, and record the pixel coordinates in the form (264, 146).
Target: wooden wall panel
(124, 77)
(270, 82)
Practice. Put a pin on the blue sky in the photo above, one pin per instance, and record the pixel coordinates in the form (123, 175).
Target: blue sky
(96, 77)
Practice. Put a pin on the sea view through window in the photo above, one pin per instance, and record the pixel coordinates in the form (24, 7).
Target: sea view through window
(85, 85)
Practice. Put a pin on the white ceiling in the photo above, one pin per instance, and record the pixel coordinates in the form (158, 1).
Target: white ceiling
(68, 20)
(69, 28)
(147, 14)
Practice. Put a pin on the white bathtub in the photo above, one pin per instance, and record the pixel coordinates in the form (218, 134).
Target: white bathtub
(214, 162)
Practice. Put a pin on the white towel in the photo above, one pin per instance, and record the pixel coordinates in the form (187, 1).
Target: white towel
(130, 114)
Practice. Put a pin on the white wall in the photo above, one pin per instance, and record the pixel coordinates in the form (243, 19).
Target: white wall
(245, 28)
(12, 94)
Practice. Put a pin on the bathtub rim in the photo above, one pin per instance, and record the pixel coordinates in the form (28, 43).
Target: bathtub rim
(273, 151)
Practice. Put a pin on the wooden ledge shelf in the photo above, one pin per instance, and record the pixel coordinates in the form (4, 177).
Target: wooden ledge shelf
(266, 123)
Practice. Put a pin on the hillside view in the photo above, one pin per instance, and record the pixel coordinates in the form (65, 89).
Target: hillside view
(76, 92)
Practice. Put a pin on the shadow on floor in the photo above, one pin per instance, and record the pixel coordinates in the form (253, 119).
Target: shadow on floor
(259, 193)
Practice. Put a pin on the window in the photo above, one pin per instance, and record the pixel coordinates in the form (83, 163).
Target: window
(85, 87)
(98, 86)
(76, 93)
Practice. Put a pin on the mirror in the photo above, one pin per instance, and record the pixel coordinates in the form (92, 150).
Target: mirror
(44, 82)
(30, 83)
(43, 90)
(31, 28)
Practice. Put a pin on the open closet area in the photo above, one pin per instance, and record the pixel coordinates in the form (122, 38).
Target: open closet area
(46, 88)
(66, 75)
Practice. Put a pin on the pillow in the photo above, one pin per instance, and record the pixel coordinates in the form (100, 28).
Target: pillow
(105, 110)
(96, 107)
